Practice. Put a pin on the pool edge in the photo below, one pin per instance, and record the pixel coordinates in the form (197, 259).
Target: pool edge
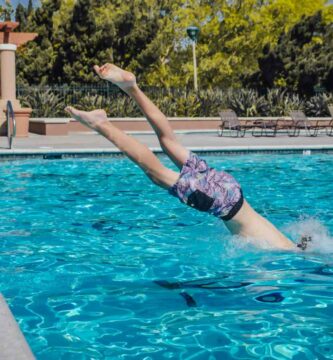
(98, 152)
(13, 345)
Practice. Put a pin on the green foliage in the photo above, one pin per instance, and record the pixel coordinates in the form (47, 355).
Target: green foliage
(316, 106)
(166, 102)
(6, 11)
(277, 102)
(211, 102)
(246, 102)
(123, 106)
(35, 61)
(21, 15)
(77, 39)
(149, 38)
(44, 103)
(30, 8)
(232, 35)
(301, 61)
(50, 102)
(187, 104)
(280, 103)
(118, 105)
(92, 102)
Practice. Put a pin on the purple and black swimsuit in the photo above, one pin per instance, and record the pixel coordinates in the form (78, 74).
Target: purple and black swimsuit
(206, 189)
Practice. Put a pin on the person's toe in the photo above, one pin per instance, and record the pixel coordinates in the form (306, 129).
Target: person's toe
(71, 110)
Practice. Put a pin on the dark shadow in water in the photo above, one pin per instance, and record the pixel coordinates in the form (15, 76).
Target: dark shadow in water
(208, 284)
(190, 302)
(271, 298)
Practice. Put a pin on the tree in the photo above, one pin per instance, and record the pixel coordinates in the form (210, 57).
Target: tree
(107, 30)
(35, 61)
(234, 33)
(30, 8)
(6, 11)
(75, 43)
(149, 37)
(21, 17)
(301, 61)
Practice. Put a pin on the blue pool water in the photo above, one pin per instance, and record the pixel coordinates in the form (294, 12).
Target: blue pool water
(98, 263)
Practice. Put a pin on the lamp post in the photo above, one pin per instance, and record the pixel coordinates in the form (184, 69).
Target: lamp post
(192, 32)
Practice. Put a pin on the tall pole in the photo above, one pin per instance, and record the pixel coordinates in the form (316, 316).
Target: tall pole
(192, 32)
(195, 74)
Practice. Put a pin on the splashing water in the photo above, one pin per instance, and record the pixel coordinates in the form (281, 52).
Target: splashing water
(321, 241)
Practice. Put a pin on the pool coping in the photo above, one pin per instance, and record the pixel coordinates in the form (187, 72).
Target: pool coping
(13, 345)
(49, 153)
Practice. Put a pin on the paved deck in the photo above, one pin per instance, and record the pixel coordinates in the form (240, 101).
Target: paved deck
(13, 345)
(208, 141)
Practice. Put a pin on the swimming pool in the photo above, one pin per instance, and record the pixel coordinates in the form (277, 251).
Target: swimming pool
(98, 263)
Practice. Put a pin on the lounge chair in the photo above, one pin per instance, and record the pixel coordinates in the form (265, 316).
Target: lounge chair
(300, 121)
(230, 121)
(268, 127)
(329, 128)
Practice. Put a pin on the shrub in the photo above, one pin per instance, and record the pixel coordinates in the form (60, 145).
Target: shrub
(44, 103)
(246, 102)
(51, 101)
(280, 103)
(211, 102)
(123, 106)
(316, 106)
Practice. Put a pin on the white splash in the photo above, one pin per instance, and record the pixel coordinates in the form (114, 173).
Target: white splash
(321, 242)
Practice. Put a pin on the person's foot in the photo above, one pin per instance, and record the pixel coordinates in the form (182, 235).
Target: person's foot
(92, 119)
(124, 79)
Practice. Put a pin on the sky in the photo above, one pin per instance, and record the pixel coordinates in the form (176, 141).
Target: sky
(23, 2)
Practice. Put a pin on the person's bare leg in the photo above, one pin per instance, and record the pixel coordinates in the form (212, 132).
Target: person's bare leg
(159, 122)
(247, 222)
(137, 152)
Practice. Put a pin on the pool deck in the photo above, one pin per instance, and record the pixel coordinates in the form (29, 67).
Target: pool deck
(94, 144)
(13, 345)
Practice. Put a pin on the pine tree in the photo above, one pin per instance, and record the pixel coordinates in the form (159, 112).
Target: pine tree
(107, 30)
(77, 38)
(35, 61)
(30, 8)
(21, 17)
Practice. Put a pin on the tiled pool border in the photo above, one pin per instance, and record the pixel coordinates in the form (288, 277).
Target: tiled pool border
(18, 154)
(13, 345)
